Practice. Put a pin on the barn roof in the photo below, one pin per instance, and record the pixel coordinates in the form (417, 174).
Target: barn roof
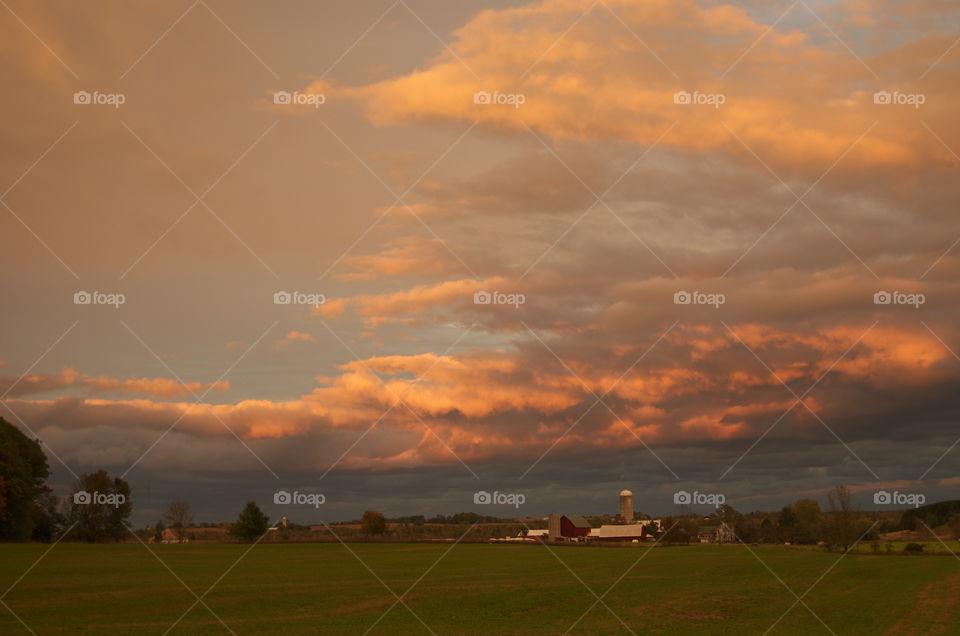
(578, 521)
(630, 530)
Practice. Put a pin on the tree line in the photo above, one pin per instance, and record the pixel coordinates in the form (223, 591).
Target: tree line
(840, 526)
(96, 510)
(99, 506)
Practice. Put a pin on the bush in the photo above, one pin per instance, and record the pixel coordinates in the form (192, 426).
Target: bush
(373, 522)
(913, 548)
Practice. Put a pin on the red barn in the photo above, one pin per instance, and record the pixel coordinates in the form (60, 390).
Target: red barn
(567, 528)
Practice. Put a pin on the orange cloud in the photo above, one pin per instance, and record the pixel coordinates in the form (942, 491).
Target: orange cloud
(401, 256)
(295, 336)
(70, 378)
(374, 308)
(511, 403)
(797, 98)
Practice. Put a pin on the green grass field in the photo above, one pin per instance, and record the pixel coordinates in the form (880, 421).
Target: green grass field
(473, 589)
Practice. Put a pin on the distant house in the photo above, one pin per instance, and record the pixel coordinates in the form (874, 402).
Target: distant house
(716, 533)
(170, 536)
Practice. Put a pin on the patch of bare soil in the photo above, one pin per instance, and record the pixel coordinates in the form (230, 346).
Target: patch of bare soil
(934, 611)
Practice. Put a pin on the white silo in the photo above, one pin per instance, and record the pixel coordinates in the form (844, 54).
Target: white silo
(626, 505)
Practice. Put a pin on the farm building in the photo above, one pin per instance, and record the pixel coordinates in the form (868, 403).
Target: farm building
(629, 532)
(525, 536)
(567, 528)
(170, 536)
(718, 533)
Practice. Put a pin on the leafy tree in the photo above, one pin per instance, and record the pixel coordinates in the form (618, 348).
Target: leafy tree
(23, 471)
(678, 530)
(158, 532)
(179, 516)
(49, 520)
(768, 531)
(373, 522)
(99, 508)
(809, 521)
(747, 529)
(251, 524)
(787, 521)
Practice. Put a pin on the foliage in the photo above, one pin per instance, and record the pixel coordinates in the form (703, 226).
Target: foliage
(373, 522)
(23, 471)
(933, 515)
(251, 524)
(99, 508)
(809, 525)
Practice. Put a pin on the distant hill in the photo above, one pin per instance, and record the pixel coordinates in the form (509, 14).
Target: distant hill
(933, 515)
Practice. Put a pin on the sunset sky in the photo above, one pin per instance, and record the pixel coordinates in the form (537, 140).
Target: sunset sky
(588, 189)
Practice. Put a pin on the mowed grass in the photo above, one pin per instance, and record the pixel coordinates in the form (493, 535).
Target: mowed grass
(471, 589)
